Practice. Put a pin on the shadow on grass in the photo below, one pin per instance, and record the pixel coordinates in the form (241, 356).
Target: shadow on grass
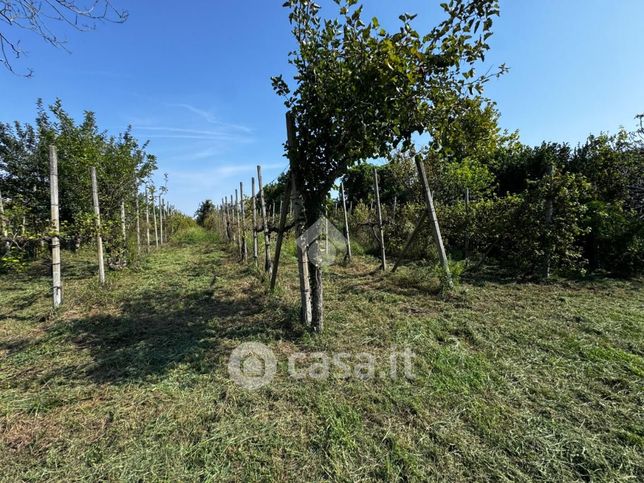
(157, 329)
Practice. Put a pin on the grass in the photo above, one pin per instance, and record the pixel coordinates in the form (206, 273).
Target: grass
(130, 381)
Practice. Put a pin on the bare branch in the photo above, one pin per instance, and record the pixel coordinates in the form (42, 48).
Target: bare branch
(42, 16)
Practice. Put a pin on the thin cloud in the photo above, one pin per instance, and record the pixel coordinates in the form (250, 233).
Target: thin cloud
(209, 117)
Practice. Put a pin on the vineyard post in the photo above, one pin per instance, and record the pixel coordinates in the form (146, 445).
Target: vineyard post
(346, 224)
(306, 313)
(242, 225)
(123, 230)
(160, 219)
(466, 249)
(280, 234)
(227, 216)
(3, 223)
(433, 219)
(99, 238)
(411, 238)
(147, 218)
(238, 224)
(253, 200)
(57, 283)
(138, 223)
(548, 217)
(154, 216)
(267, 234)
(383, 256)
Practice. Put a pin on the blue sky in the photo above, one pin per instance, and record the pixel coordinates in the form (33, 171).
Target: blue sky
(194, 78)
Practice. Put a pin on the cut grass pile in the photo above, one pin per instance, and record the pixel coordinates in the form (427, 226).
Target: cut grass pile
(130, 381)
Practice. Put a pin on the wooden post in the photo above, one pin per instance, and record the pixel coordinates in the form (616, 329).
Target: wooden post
(238, 224)
(123, 230)
(57, 283)
(99, 238)
(411, 238)
(549, 213)
(466, 248)
(160, 219)
(306, 294)
(254, 206)
(346, 224)
(383, 256)
(138, 223)
(3, 225)
(431, 212)
(280, 233)
(268, 266)
(147, 218)
(242, 224)
(156, 227)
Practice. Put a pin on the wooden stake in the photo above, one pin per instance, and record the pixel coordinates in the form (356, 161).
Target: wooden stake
(156, 228)
(3, 225)
(433, 219)
(466, 249)
(306, 295)
(123, 230)
(238, 224)
(147, 218)
(268, 266)
(99, 238)
(254, 205)
(242, 224)
(280, 233)
(138, 223)
(346, 224)
(383, 256)
(160, 219)
(411, 238)
(57, 283)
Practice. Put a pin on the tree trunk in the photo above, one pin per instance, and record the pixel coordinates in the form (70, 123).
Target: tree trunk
(431, 212)
(268, 266)
(99, 238)
(57, 283)
(383, 256)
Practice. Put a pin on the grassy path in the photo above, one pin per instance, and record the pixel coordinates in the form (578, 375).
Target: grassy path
(513, 381)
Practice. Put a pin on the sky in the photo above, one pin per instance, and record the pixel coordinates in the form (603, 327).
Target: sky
(193, 78)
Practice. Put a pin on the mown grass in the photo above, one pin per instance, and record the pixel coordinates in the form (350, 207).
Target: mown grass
(130, 382)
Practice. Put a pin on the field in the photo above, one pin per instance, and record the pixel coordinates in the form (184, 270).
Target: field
(512, 381)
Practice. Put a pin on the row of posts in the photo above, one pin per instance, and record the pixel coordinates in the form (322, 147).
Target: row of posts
(160, 212)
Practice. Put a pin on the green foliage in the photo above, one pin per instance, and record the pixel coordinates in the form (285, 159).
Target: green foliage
(205, 210)
(362, 91)
(121, 162)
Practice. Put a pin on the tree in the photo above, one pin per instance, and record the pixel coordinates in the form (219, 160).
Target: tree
(41, 17)
(205, 210)
(361, 92)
